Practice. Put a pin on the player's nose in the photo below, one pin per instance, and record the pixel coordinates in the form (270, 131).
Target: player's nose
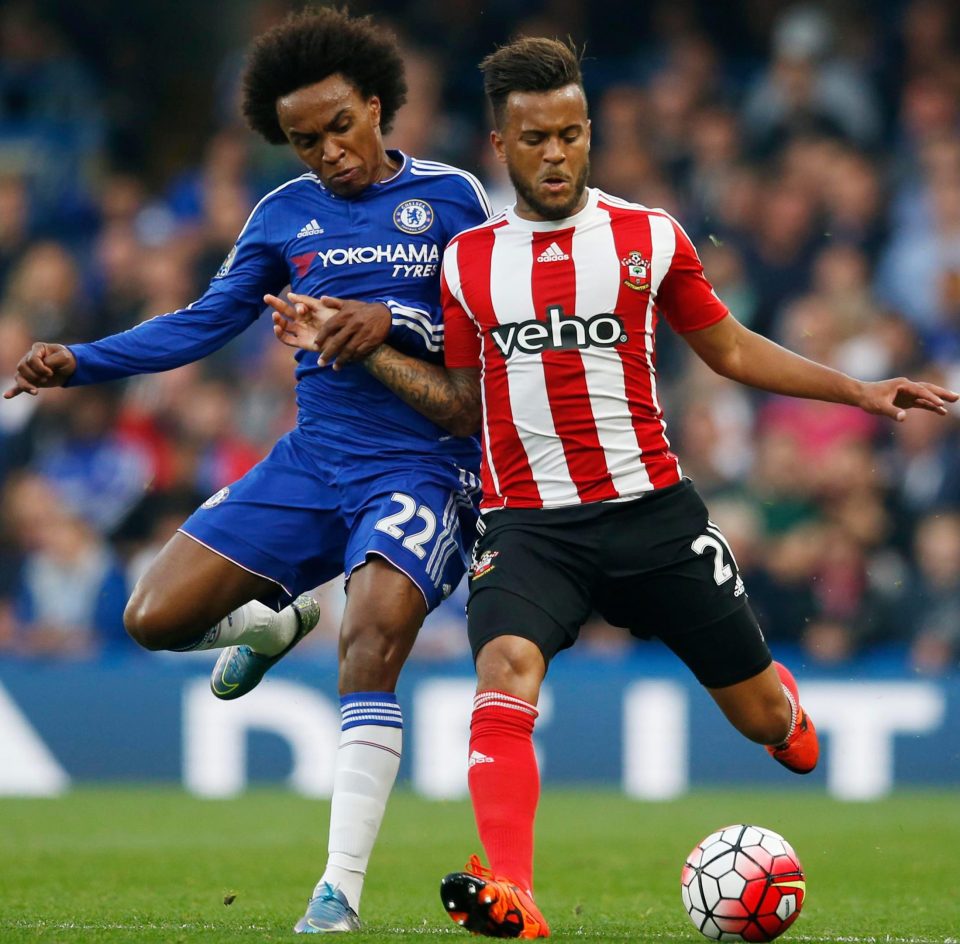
(333, 152)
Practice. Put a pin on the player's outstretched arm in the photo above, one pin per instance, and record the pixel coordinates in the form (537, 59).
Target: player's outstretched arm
(735, 351)
(44, 365)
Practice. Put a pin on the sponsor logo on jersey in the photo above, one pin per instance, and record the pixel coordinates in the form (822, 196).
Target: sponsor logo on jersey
(313, 228)
(413, 216)
(559, 332)
(217, 497)
(638, 271)
(483, 564)
(553, 253)
(227, 263)
(392, 254)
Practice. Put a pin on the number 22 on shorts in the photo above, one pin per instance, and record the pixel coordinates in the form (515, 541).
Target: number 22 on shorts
(391, 524)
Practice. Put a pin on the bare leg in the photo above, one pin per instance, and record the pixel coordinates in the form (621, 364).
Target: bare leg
(187, 589)
(385, 610)
(511, 664)
(757, 708)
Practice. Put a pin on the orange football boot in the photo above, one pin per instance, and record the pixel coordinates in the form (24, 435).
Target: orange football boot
(491, 905)
(800, 751)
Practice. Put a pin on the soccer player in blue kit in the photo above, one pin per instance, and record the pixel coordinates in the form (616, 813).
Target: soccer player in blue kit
(364, 484)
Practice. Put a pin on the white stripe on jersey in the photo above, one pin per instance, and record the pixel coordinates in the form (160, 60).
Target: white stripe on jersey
(511, 294)
(598, 287)
(451, 271)
(419, 321)
(421, 168)
(429, 341)
(663, 240)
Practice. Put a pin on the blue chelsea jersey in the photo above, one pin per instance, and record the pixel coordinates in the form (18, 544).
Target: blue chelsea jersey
(382, 245)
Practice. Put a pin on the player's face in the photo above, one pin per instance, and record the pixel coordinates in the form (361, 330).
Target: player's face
(335, 131)
(545, 143)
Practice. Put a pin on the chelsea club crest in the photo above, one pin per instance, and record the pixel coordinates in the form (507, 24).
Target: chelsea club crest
(413, 216)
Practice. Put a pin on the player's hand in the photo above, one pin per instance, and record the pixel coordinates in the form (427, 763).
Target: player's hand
(894, 397)
(44, 365)
(353, 331)
(297, 319)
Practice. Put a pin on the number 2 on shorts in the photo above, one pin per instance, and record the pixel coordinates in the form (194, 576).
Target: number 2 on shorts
(390, 524)
(721, 572)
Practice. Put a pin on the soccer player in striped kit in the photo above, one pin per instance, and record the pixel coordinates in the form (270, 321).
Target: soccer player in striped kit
(550, 311)
(363, 484)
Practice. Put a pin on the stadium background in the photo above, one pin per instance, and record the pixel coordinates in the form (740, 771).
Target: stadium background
(811, 150)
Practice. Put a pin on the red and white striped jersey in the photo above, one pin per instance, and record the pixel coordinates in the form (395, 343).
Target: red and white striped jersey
(560, 316)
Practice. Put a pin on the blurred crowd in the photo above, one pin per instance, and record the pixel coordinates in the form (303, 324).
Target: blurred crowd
(811, 150)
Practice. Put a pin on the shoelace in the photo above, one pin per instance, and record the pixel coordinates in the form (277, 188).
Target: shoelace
(476, 867)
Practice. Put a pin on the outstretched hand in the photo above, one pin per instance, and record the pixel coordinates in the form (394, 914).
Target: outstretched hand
(297, 319)
(894, 397)
(44, 365)
(341, 329)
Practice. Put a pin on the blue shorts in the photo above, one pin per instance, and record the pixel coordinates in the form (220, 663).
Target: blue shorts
(308, 512)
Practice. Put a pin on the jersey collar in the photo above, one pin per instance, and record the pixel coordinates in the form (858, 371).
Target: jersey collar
(546, 226)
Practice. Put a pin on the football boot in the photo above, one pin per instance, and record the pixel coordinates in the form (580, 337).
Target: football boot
(239, 669)
(491, 905)
(801, 749)
(327, 912)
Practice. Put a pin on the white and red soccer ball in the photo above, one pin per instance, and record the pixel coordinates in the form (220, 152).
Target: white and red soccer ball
(743, 883)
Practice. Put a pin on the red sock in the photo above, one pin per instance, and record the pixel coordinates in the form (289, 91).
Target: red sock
(504, 783)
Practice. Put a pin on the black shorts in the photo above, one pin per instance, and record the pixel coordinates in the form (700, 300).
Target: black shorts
(656, 566)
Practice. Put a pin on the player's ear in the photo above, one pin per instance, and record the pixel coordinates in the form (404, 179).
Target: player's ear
(589, 130)
(497, 141)
(373, 104)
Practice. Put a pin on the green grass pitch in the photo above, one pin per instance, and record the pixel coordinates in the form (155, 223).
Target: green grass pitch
(154, 865)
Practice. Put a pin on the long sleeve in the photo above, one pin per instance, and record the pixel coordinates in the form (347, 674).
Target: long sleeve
(166, 341)
(231, 304)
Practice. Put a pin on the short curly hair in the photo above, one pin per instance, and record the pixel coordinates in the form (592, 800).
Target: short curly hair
(311, 45)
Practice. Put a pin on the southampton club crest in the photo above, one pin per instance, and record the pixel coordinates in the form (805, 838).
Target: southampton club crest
(483, 564)
(413, 216)
(638, 271)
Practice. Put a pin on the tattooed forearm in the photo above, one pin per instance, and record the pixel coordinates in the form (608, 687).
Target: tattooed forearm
(451, 398)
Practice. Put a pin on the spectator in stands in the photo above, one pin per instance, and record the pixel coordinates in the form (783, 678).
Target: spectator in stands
(51, 116)
(15, 222)
(69, 594)
(809, 87)
(933, 605)
(98, 473)
(46, 284)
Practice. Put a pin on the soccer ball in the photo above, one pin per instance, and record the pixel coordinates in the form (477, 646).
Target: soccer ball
(743, 883)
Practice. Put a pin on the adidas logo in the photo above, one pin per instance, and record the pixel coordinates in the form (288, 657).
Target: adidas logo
(553, 253)
(477, 758)
(313, 228)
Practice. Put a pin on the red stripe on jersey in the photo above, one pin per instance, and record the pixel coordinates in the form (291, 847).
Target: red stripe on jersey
(500, 437)
(631, 232)
(555, 284)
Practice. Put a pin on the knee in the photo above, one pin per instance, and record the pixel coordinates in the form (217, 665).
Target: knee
(511, 664)
(148, 624)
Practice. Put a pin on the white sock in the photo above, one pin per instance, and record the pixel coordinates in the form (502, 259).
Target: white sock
(255, 625)
(371, 738)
